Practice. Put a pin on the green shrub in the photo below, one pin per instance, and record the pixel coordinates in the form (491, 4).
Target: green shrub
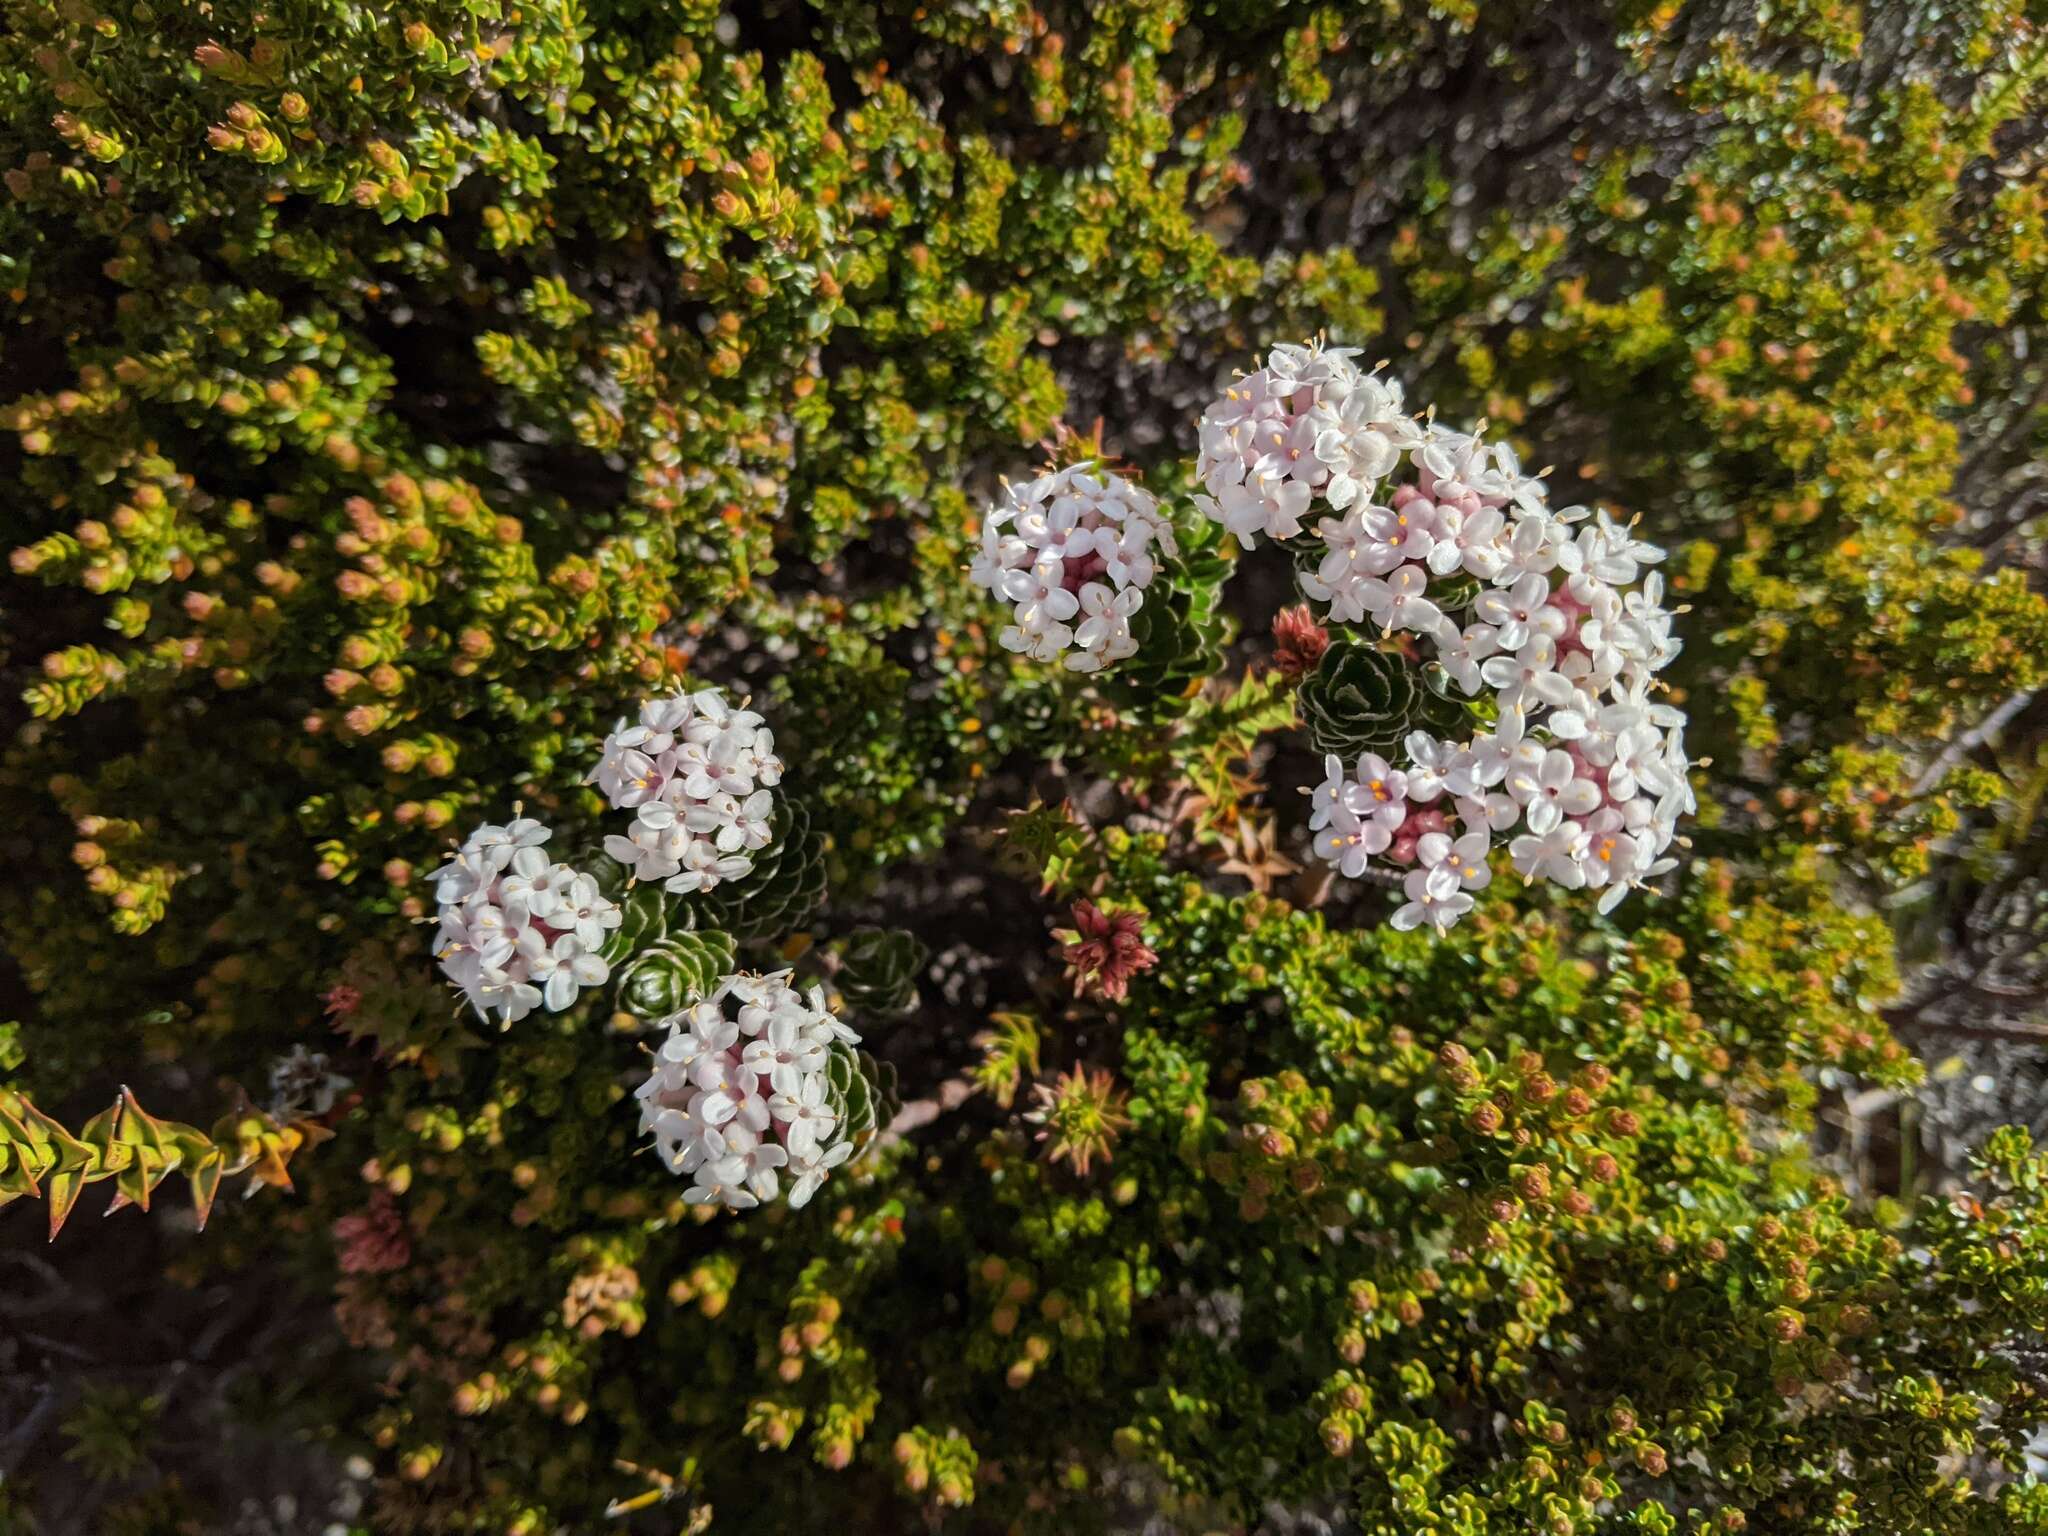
(396, 397)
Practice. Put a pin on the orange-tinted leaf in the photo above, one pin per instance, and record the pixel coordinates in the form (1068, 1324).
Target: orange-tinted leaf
(140, 1129)
(62, 1192)
(18, 1173)
(205, 1176)
(142, 1175)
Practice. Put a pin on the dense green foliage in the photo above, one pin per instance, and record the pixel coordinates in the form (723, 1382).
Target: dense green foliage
(393, 396)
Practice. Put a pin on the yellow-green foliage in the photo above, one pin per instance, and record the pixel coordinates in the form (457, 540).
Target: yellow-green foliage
(393, 394)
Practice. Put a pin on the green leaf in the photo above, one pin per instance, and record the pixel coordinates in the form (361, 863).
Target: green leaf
(673, 972)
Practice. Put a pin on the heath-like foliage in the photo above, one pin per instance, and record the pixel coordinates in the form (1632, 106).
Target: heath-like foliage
(630, 424)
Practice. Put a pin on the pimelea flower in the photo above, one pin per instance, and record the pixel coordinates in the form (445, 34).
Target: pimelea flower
(739, 1097)
(1309, 426)
(302, 1082)
(1564, 636)
(1072, 551)
(518, 930)
(696, 773)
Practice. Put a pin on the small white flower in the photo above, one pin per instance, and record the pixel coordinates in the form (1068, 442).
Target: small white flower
(1041, 599)
(782, 1055)
(1409, 606)
(704, 867)
(713, 1187)
(1638, 764)
(513, 996)
(809, 1171)
(1555, 855)
(562, 967)
(1105, 634)
(1608, 551)
(1264, 503)
(1486, 761)
(1530, 548)
(1429, 760)
(1551, 790)
(1463, 653)
(753, 1166)
(1468, 542)
(1455, 863)
(1528, 680)
(1610, 853)
(1338, 788)
(1384, 796)
(1405, 534)
(1425, 905)
(585, 912)
(1353, 598)
(1488, 813)
(1513, 611)
(650, 852)
(806, 1112)
(1040, 645)
(1350, 840)
(999, 555)
(527, 887)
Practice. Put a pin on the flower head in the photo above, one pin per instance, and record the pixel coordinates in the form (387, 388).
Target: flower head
(1555, 614)
(1106, 951)
(739, 1095)
(696, 772)
(517, 930)
(1072, 551)
(303, 1083)
(1308, 425)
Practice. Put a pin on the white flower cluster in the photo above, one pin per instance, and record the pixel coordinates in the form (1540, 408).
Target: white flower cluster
(1073, 551)
(1308, 425)
(696, 773)
(738, 1097)
(1567, 633)
(518, 929)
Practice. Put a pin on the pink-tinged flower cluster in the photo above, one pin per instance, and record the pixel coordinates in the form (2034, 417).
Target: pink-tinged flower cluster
(516, 928)
(739, 1097)
(1310, 427)
(1072, 551)
(1413, 819)
(696, 773)
(1583, 769)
